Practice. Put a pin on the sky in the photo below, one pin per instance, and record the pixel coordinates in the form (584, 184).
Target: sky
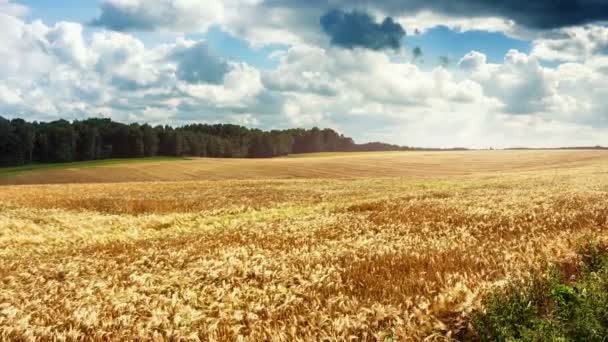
(432, 73)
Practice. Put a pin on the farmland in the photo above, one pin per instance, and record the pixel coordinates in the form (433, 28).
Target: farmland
(396, 245)
(303, 166)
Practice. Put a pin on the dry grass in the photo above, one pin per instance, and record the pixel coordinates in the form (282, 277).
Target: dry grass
(335, 259)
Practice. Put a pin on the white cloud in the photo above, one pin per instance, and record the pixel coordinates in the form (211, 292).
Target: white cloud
(371, 94)
(472, 61)
(573, 44)
(304, 68)
(517, 102)
(9, 96)
(520, 83)
(66, 41)
(240, 85)
(425, 20)
(22, 49)
(53, 72)
(152, 15)
(11, 8)
(123, 60)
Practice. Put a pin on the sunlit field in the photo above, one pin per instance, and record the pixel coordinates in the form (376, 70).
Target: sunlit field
(384, 246)
(334, 165)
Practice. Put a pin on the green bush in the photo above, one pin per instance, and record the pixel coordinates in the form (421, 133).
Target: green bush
(551, 308)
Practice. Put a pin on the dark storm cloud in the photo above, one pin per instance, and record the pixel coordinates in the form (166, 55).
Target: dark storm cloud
(198, 65)
(358, 29)
(416, 53)
(535, 14)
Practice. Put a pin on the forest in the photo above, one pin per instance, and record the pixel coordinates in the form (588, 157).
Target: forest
(23, 142)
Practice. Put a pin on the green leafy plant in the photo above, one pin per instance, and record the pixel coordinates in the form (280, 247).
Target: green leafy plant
(551, 308)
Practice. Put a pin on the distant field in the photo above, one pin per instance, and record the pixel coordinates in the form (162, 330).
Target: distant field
(19, 170)
(343, 154)
(368, 246)
(318, 165)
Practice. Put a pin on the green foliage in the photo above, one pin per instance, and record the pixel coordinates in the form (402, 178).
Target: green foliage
(24, 143)
(551, 308)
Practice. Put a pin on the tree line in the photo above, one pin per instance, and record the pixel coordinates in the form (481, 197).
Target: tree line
(23, 142)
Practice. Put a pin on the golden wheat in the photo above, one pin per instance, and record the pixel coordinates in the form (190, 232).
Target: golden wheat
(329, 166)
(256, 260)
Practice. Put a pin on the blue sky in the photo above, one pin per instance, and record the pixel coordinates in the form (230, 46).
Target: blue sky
(442, 41)
(61, 10)
(516, 73)
(234, 48)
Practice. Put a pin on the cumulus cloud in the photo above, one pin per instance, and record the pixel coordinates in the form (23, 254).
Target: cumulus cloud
(124, 62)
(573, 44)
(550, 97)
(472, 61)
(240, 86)
(11, 8)
(570, 93)
(53, 71)
(521, 83)
(66, 41)
(196, 64)
(152, 15)
(304, 69)
(362, 90)
(10, 97)
(23, 49)
(357, 29)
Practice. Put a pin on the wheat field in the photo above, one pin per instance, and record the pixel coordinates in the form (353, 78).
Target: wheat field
(319, 165)
(348, 247)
